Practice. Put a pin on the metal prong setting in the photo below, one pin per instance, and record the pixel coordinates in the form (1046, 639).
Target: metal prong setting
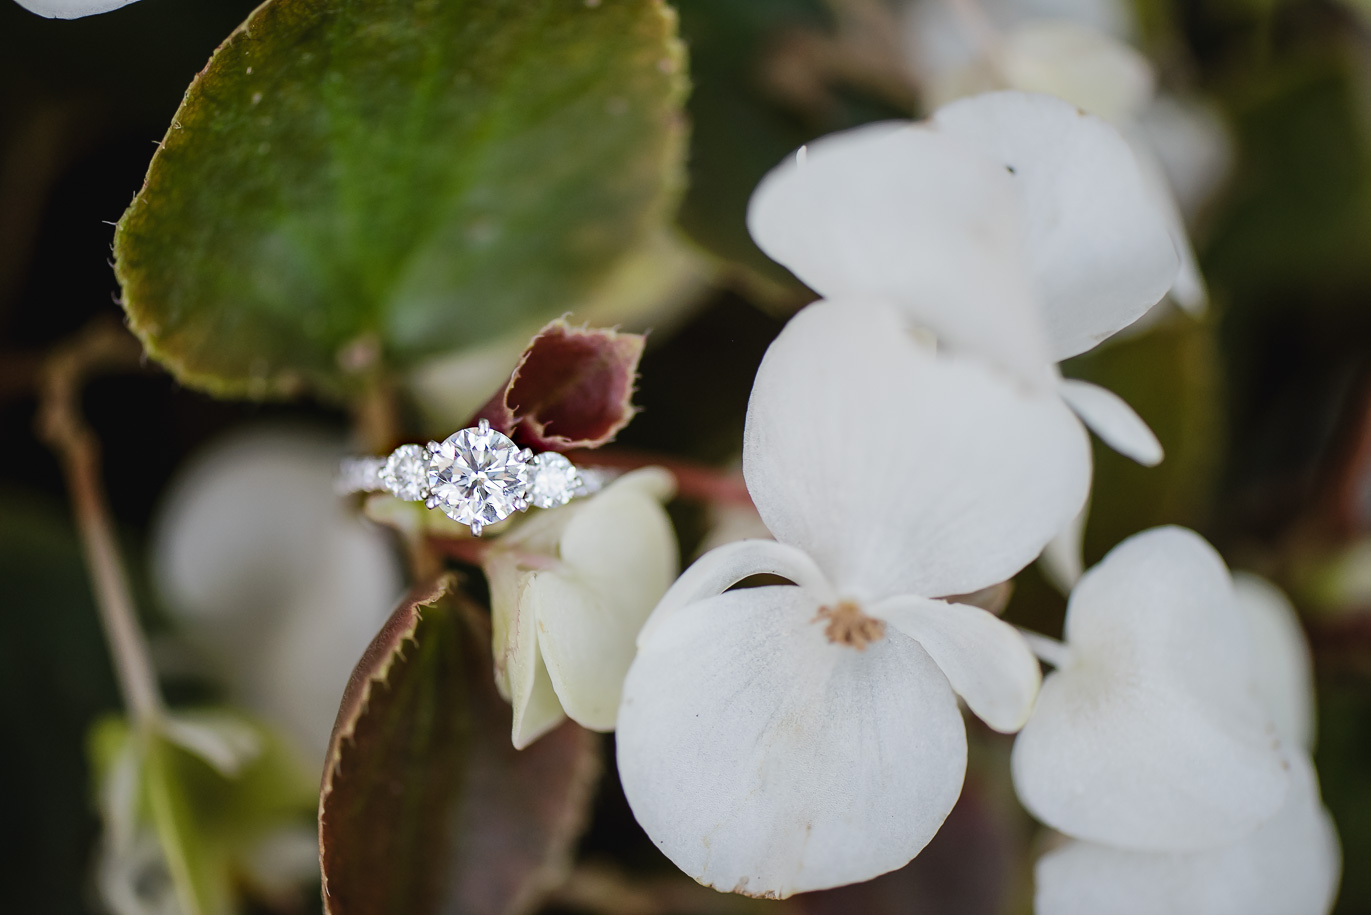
(476, 526)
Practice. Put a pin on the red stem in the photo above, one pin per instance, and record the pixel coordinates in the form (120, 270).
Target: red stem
(694, 480)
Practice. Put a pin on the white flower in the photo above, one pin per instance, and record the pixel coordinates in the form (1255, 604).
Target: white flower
(1009, 224)
(272, 579)
(1283, 669)
(1078, 52)
(1150, 734)
(570, 589)
(780, 739)
(1289, 864)
(71, 9)
(941, 38)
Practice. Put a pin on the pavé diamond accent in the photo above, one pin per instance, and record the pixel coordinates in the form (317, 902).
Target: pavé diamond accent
(555, 481)
(405, 474)
(478, 477)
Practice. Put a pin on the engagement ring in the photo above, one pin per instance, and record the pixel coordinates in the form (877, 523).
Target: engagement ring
(477, 476)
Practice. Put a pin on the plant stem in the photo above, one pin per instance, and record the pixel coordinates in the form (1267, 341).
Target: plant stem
(696, 481)
(62, 427)
(376, 417)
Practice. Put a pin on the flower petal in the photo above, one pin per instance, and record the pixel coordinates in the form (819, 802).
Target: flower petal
(1289, 866)
(898, 212)
(1152, 737)
(1189, 290)
(1113, 420)
(270, 578)
(520, 674)
(937, 38)
(71, 9)
(764, 759)
(1080, 65)
(569, 590)
(1286, 683)
(723, 567)
(984, 658)
(1062, 562)
(1192, 145)
(901, 471)
(1098, 246)
(618, 556)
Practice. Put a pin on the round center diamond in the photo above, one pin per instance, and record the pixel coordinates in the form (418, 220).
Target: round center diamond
(478, 477)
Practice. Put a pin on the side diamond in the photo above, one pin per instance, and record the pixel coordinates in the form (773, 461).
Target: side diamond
(405, 474)
(555, 481)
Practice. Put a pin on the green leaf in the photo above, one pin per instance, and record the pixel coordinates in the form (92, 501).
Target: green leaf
(201, 882)
(425, 805)
(353, 185)
(207, 824)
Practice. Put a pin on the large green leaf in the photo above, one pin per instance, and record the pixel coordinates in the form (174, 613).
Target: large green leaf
(351, 185)
(425, 805)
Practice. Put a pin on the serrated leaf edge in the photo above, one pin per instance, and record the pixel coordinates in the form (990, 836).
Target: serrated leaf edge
(373, 668)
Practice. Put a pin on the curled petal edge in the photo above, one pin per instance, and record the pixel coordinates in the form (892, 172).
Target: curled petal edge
(985, 659)
(722, 568)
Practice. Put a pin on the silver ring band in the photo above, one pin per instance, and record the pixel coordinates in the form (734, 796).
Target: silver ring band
(476, 476)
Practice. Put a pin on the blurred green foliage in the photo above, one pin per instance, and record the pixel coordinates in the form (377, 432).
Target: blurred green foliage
(347, 189)
(55, 680)
(209, 821)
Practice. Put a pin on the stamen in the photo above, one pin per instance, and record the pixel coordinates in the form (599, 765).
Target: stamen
(848, 625)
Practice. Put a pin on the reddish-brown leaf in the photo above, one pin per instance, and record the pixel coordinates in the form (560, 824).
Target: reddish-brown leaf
(425, 807)
(573, 388)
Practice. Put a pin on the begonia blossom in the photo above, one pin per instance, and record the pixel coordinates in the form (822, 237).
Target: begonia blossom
(1289, 865)
(1150, 734)
(1283, 668)
(1079, 52)
(271, 579)
(1011, 225)
(570, 588)
(779, 739)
